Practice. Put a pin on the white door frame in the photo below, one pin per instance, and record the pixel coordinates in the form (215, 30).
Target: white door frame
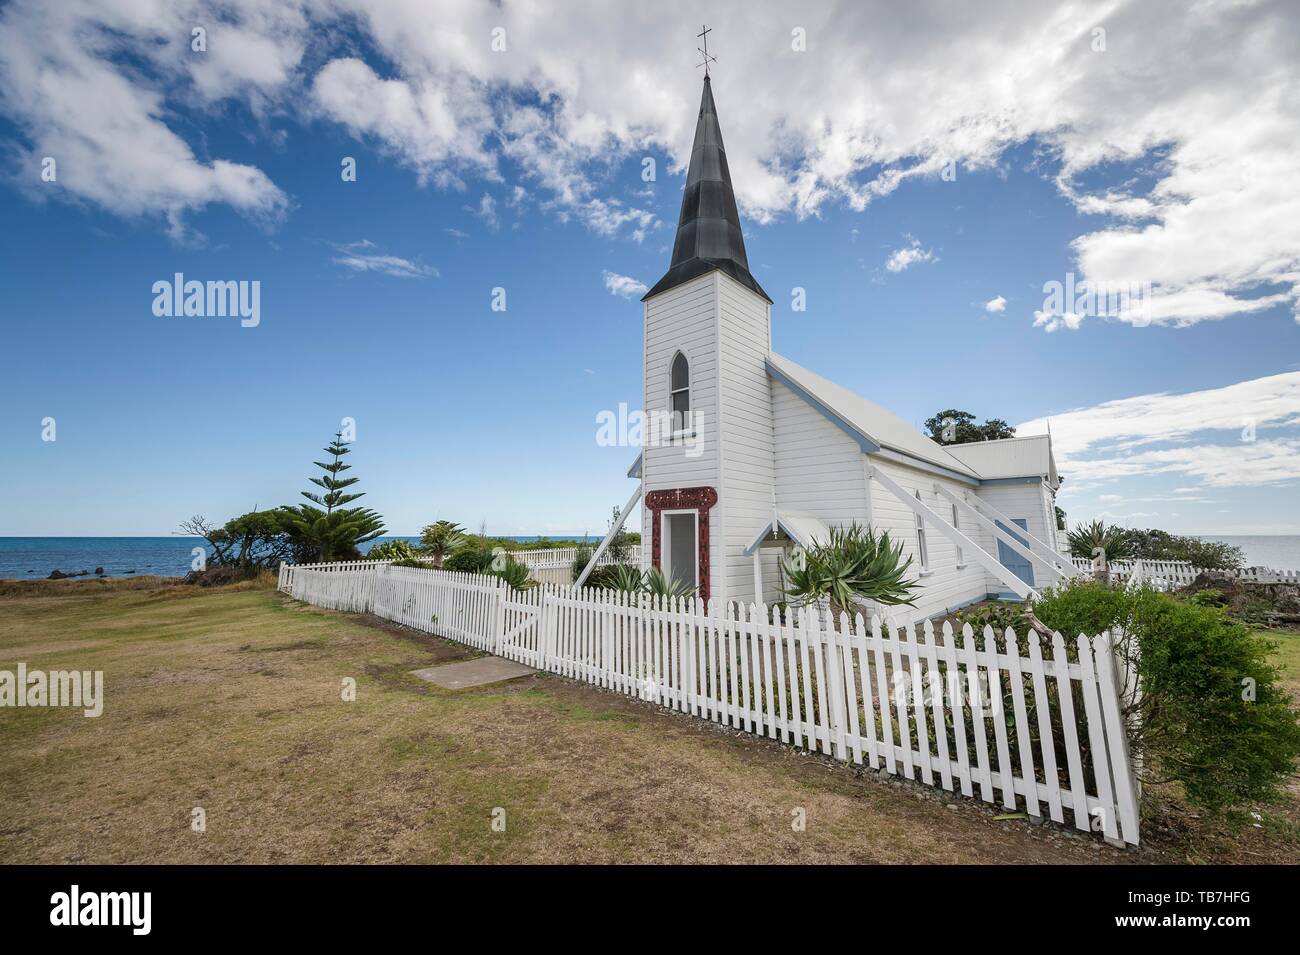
(666, 541)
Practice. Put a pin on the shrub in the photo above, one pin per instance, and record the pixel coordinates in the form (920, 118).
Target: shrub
(1209, 712)
(999, 616)
(581, 558)
(607, 576)
(1161, 545)
(1084, 606)
(391, 550)
(1209, 597)
(469, 560)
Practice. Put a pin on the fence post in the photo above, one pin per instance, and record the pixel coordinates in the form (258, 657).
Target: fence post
(499, 637)
(1116, 736)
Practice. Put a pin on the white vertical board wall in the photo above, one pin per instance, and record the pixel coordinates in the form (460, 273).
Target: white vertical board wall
(1019, 500)
(945, 586)
(683, 319)
(745, 503)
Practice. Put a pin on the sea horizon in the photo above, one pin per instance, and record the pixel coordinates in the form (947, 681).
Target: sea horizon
(35, 557)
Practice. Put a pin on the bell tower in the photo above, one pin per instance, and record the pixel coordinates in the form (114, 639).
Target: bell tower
(707, 466)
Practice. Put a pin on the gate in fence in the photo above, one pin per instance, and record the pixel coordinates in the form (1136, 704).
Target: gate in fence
(1037, 725)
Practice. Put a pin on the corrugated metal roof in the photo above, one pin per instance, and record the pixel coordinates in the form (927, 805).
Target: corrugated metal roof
(1028, 456)
(878, 425)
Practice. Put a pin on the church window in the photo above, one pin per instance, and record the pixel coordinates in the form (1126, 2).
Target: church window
(680, 392)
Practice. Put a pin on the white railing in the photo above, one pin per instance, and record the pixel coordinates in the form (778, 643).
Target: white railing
(935, 705)
(565, 556)
(1179, 573)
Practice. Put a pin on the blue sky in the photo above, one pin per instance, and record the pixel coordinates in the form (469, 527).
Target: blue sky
(375, 294)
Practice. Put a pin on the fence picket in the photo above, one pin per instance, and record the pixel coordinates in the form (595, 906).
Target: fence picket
(800, 677)
(1023, 739)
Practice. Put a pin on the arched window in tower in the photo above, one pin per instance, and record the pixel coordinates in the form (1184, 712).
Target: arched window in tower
(680, 392)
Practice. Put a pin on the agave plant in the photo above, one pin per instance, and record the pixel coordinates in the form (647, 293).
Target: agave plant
(514, 574)
(1101, 543)
(656, 584)
(627, 579)
(852, 564)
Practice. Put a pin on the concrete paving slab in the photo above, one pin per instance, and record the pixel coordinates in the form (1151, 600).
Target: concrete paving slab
(480, 672)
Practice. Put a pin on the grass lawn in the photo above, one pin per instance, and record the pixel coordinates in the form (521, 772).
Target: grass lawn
(230, 700)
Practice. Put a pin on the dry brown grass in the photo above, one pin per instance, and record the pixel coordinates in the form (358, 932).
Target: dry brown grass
(230, 701)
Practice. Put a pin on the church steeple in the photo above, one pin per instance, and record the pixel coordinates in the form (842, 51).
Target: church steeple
(708, 230)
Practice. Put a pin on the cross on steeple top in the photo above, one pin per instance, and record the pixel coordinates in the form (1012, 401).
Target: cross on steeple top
(704, 52)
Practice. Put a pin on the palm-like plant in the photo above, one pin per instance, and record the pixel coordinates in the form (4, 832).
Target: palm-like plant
(513, 573)
(627, 579)
(439, 539)
(1100, 543)
(852, 564)
(657, 585)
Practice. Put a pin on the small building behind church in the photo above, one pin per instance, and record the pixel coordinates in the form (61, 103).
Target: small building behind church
(762, 455)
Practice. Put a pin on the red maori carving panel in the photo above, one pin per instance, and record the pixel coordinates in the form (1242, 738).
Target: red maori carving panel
(699, 499)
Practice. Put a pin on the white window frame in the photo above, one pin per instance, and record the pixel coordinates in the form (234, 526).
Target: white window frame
(922, 545)
(686, 430)
(665, 550)
(956, 525)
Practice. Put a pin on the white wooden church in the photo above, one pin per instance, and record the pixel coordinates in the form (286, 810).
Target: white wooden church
(764, 455)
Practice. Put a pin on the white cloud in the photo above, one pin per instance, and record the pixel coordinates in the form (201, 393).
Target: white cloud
(907, 256)
(994, 305)
(624, 285)
(1192, 103)
(1217, 436)
(363, 257)
(63, 83)
(487, 211)
(1051, 323)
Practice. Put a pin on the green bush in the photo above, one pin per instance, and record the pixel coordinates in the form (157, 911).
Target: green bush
(1209, 597)
(469, 560)
(1154, 544)
(581, 558)
(999, 616)
(391, 550)
(1086, 606)
(1209, 713)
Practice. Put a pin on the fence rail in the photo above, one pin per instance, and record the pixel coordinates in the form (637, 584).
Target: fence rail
(1177, 573)
(1037, 727)
(565, 556)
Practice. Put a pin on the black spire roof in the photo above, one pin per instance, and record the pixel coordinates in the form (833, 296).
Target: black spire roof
(708, 231)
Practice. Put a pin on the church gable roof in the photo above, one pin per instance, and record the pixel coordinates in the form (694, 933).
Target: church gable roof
(872, 426)
(708, 229)
(1025, 456)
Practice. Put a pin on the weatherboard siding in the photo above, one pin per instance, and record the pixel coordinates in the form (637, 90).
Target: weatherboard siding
(945, 586)
(746, 434)
(818, 466)
(685, 319)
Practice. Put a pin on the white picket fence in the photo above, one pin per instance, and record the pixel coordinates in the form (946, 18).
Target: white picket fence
(1176, 573)
(1041, 729)
(565, 556)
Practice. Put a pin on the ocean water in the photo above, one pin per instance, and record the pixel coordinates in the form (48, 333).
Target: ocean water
(1279, 551)
(31, 558)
